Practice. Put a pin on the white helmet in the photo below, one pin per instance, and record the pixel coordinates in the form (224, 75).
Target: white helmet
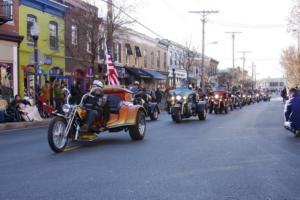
(98, 83)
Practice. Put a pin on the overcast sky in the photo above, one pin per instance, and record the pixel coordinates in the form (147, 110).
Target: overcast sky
(262, 23)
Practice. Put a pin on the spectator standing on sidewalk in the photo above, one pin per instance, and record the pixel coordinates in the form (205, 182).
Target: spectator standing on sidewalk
(46, 92)
(58, 96)
(292, 112)
(158, 95)
(283, 94)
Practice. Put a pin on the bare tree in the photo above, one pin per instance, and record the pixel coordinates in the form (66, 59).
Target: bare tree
(118, 17)
(290, 61)
(189, 58)
(84, 36)
(290, 58)
(294, 18)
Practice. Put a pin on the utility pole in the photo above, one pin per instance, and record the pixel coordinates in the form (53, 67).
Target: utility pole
(204, 14)
(233, 46)
(110, 26)
(244, 62)
(252, 70)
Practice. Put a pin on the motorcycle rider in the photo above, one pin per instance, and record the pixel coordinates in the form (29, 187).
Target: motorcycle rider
(292, 112)
(97, 106)
(135, 88)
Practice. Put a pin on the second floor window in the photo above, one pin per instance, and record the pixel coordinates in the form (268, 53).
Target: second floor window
(74, 34)
(31, 19)
(7, 9)
(53, 35)
(165, 60)
(89, 43)
(158, 59)
(145, 58)
(152, 59)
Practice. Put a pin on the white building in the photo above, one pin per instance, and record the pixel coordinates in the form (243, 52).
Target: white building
(175, 63)
(274, 84)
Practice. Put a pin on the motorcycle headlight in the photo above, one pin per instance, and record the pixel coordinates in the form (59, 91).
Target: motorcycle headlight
(185, 98)
(178, 98)
(257, 95)
(249, 96)
(172, 98)
(66, 108)
(244, 95)
(217, 96)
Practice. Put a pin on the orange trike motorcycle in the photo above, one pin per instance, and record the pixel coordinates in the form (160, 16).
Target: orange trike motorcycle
(123, 116)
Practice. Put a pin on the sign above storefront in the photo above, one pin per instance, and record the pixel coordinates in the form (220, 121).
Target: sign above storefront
(179, 74)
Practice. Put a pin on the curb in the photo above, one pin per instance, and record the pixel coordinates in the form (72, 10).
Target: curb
(23, 125)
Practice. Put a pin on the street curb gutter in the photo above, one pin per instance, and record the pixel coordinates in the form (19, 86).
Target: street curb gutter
(23, 125)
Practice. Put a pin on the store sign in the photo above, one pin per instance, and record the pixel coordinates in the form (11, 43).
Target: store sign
(178, 74)
(56, 71)
(48, 60)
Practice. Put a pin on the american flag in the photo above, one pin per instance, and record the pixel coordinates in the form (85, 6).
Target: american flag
(112, 74)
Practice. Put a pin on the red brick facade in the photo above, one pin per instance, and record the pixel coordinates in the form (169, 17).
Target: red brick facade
(10, 30)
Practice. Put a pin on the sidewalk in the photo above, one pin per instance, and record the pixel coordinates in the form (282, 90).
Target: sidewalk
(23, 125)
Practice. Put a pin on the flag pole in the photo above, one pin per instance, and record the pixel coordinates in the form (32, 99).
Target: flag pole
(106, 53)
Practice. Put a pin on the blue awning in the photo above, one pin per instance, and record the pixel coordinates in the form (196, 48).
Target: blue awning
(155, 74)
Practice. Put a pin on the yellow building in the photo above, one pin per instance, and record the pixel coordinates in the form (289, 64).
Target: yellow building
(49, 16)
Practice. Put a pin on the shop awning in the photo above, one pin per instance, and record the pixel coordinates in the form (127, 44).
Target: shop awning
(155, 74)
(138, 72)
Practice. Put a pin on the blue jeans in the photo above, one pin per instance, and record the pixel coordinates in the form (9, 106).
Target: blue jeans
(91, 116)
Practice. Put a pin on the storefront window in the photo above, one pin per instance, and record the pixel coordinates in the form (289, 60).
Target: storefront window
(6, 76)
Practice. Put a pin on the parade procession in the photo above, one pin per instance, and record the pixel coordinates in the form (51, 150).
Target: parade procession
(131, 99)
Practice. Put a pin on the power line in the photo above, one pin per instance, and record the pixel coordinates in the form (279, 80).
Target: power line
(132, 18)
(248, 26)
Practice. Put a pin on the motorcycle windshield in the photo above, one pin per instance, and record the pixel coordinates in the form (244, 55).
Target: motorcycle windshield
(181, 92)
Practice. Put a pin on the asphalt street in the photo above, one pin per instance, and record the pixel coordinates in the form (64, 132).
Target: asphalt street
(243, 155)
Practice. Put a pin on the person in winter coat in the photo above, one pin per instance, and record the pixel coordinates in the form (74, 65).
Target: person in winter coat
(46, 92)
(158, 95)
(292, 112)
(284, 94)
(59, 97)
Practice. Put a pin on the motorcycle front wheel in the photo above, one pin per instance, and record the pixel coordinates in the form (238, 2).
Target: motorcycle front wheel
(154, 115)
(56, 138)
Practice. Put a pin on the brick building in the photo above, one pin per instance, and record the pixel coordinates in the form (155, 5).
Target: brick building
(9, 44)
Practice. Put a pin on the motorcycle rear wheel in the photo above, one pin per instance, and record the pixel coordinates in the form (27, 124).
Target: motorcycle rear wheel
(56, 139)
(138, 131)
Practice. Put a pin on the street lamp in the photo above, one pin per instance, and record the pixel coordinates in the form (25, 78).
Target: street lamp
(35, 33)
(209, 43)
(174, 76)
